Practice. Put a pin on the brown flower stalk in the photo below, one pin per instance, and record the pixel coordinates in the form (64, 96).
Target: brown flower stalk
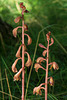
(37, 65)
(23, 46)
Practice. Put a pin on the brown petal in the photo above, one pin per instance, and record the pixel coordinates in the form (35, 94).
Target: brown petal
(51, 82)
(16, 20)
(42, 46)
(29, 62)
(52, 41)
(37, 66)
(55, 66)
(25, 27)
(18, 52)
(17, 75)
(40, 59)
(15, 31)
(44, 53)
(29, 39)
(14, 69)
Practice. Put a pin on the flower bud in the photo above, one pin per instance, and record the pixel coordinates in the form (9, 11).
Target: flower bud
(51, 81)
(55, 66)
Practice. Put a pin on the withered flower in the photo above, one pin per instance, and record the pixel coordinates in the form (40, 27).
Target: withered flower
(29, 39)
(17, 75)
(15, 31)
(18, 52)
(16, 20)
(37, 90)
(44, 53)
(29, 62)
(40, 59)
(37, 66)
(14, 69)
(55, 66)
(25, 27)
(51, 81)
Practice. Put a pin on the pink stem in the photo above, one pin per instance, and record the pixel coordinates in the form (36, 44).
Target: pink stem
(23, 55)
(46, 77)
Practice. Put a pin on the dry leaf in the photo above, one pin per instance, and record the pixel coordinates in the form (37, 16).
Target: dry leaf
(42, 46)
(16, 20)
(15, 31)
(40, 59)
(29, 62)
(17, 75)
(29, 39)
(44, 53)
(14, 69)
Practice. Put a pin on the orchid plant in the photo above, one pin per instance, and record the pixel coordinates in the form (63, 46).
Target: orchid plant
(38, 64)
(24, 28)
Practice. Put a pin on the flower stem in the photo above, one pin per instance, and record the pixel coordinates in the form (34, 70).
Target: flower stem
(23, 55)
(46, 77)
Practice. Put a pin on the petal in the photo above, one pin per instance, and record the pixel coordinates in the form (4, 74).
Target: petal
(42, 46)
(29, 62)
(44, 53)
(15, 31)
(16, 20)
(29, 39)
(17, 75)
(40, 59)
(14, 69)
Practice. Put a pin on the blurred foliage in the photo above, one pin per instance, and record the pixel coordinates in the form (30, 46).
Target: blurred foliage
(48, 14)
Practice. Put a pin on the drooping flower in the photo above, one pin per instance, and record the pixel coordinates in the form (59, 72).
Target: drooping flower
(52, 41)
(14, 69)
(37, 66)
(54, 65)
(29, 62)
(15, 31)
(37, 90)
(51, 81)
(16, 20)
(40, 59)
(29, 39)
(17, 75)
(44, 53)
(25, 27)
(18, 52)
(42, 46)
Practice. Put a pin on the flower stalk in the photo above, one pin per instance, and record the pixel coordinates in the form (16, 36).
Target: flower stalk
(37, 66)
(23, 46)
